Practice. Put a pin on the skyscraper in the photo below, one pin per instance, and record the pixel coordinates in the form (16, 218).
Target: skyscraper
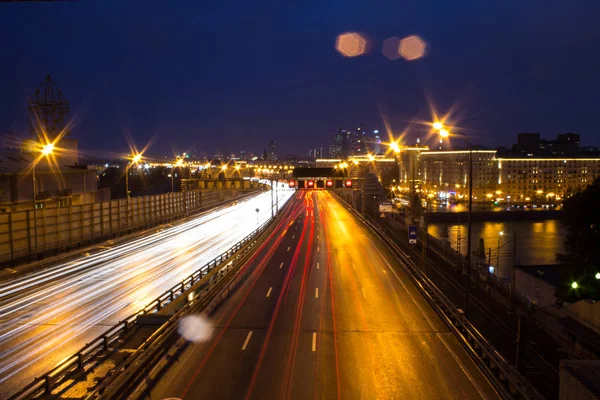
(272, 150)
(376, 142)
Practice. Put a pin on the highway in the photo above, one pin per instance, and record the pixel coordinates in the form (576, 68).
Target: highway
(326, 313)
(49, 315)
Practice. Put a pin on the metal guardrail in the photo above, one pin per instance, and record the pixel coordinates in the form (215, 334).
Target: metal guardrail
(505, 378)
(85, 358)
(126, 382)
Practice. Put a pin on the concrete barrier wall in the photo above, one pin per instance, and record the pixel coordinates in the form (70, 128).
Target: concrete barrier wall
(24, 234)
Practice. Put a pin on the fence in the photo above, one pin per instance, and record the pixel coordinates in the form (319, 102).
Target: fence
(27, 234)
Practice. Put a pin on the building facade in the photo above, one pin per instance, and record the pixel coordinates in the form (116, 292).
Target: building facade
(545, 178)
(446, 173)
(505, 179)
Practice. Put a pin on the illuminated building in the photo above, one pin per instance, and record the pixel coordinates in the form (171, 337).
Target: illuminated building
(447, 172)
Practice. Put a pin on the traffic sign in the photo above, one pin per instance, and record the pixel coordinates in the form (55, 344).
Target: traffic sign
(382, 215)
(412, 234)
(386, 207)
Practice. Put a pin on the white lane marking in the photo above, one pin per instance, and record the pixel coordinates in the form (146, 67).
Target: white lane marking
(269, 292)
(363, 292)
(288, 248)
(281, 265)
(384, 271)
(317, 236)
(316, 293)
(317, 248)
(247, 340)
(293, 236)
(314, 342)
(317, 265)
(354, 266)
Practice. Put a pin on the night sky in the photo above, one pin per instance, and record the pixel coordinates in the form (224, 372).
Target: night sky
(230, 75)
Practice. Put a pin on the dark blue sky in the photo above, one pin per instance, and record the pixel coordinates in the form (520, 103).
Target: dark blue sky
(231, 75)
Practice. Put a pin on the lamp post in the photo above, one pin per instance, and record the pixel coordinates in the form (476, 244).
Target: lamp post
(444, 133)
(46, 151)
(178, 164)
(134, 160)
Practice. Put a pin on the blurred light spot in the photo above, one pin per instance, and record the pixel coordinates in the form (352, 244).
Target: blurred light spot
(351, 44)
(195, 328)
(412, 48)
(391, 47)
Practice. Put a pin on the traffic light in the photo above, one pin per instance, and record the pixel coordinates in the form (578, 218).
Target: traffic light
(348, 183)
(329, 183)
(311, 184)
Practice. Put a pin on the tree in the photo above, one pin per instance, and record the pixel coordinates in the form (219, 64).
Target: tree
(581, 263)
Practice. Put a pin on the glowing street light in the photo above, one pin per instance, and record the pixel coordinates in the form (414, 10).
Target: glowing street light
(444, 133)
(178, 164)
(574, 285)
(597, 276)
(395, 148)
(47, 149)
(136, 158)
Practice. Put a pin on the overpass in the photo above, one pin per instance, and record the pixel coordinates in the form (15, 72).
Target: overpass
(323, 307)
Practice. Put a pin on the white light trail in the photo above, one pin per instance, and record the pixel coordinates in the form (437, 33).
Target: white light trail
(44, 315)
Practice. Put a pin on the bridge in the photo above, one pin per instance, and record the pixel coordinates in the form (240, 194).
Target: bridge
(241, 302)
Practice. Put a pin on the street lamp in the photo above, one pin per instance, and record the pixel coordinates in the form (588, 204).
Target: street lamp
(444, 133)
(178, 164)
(134, 160)
(46, 150)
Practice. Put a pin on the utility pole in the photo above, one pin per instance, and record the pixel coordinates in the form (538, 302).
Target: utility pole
(520, 340)
(468, 279)
(424, 241)
(513, 272)
(364, 196)
(272, 209)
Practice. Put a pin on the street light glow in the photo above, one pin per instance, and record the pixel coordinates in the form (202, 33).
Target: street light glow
(47, 149)
(444, 133)
(438, 126)
(597, 275)
(574, 285)
(136, 158)
(395, 148)
(179, 162)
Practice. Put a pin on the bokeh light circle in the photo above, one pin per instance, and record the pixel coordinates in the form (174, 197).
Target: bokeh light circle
(412, 48)
(195, 328)
(351, 44)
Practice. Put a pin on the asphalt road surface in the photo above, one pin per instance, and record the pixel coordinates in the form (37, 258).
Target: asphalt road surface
(326, 313)
(49, 315)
